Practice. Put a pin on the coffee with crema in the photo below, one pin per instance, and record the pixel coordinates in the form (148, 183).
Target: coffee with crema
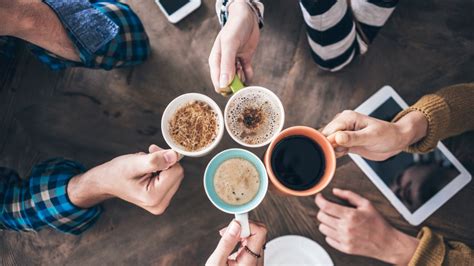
(236, 181)
(253, 117)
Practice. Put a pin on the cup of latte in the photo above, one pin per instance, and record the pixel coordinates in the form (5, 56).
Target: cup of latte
(236, 182)
(300, 161)
(192, 124)
(253, 115)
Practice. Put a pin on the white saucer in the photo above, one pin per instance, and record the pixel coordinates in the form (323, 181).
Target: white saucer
(295, 250)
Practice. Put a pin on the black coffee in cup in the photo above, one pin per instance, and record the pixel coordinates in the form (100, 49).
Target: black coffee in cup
(298, 162)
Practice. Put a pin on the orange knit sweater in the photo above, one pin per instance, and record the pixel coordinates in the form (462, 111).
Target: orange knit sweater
(449, 112)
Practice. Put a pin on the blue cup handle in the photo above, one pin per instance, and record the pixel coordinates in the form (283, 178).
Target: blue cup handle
(243, 219)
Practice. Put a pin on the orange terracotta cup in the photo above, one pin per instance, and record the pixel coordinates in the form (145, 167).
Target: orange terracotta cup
(328, 152)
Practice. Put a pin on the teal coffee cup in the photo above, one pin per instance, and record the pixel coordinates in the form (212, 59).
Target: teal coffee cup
(240, 211)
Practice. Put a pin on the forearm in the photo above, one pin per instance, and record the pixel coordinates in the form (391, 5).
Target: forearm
(400, 248)
(39, 25)
(84, 190)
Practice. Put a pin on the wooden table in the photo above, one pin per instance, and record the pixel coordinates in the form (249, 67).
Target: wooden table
(93, 115)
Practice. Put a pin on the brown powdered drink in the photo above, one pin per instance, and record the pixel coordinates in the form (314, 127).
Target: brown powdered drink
(194, 126)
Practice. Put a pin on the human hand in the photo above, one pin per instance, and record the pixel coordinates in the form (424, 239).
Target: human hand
(372, 138)
(362, 230)
(146, 180)
(230, 239)
(234, 46)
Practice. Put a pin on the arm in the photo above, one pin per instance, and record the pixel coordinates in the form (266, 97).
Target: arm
(61, 195)
(449, 112)
(235, 44)
(36, 22)
(361, 230)
(42, 200)
(416, 129)
(434, 250)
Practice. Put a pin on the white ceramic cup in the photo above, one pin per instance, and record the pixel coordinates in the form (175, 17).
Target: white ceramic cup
(179, 102)
(270, 96)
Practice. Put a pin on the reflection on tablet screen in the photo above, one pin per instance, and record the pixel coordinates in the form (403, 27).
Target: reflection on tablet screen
(414, 178)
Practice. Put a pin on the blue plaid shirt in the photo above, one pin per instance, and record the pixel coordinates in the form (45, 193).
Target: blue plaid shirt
(42, 200)
(128, 46)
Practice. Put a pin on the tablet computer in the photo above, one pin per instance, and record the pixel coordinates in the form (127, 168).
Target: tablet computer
(415, 184)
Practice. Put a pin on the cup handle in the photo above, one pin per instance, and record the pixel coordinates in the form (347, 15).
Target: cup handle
(243, 219)
(236, 84)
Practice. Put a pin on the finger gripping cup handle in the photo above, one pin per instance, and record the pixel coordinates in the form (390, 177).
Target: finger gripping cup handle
(236, 84)
(243, 219)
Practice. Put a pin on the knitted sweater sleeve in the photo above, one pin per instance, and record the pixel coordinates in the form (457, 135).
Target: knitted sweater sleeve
(449, 112)
(433, 249)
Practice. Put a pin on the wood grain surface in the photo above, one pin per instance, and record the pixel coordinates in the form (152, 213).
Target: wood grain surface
(94, 115)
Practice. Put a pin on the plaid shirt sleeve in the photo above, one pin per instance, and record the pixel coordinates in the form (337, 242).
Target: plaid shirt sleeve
(130, 46)
(42, 201)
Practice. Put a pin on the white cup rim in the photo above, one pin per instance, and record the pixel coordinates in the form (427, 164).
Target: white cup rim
(279, 105)
(174, 105)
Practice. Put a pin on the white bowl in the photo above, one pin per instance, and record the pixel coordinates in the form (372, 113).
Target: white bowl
(272, 97)
(180, 101)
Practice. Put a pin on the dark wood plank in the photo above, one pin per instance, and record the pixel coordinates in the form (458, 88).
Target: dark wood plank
(93, 116)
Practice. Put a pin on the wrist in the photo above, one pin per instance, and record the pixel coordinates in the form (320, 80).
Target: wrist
(401, 248)
(241, 8)
(84, 190)
(412, 128)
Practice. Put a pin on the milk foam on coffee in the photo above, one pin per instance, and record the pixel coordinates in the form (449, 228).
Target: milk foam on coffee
(236, 181)
(253, 118)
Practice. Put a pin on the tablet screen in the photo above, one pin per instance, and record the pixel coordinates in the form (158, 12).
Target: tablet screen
(413, 178)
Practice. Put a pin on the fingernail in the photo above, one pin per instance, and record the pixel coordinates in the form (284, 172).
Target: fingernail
(233, 229)
(222, 231)
(170, 156)
(224, 80)
(340, 149)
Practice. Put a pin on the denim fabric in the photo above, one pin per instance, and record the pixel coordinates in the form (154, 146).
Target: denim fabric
(91, 28)
(129, 47)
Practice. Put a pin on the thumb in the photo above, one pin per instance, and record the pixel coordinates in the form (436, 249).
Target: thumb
(226, 245)
(156, 161)
(351, 138)
(154, 148)
(228, 60)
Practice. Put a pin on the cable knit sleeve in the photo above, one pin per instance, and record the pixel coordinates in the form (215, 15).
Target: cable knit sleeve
(449, 112)
(434, 250)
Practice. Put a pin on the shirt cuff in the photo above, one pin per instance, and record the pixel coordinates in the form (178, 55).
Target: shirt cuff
(48, 188)
(90, 28)
(430, 250)
(436, 111)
